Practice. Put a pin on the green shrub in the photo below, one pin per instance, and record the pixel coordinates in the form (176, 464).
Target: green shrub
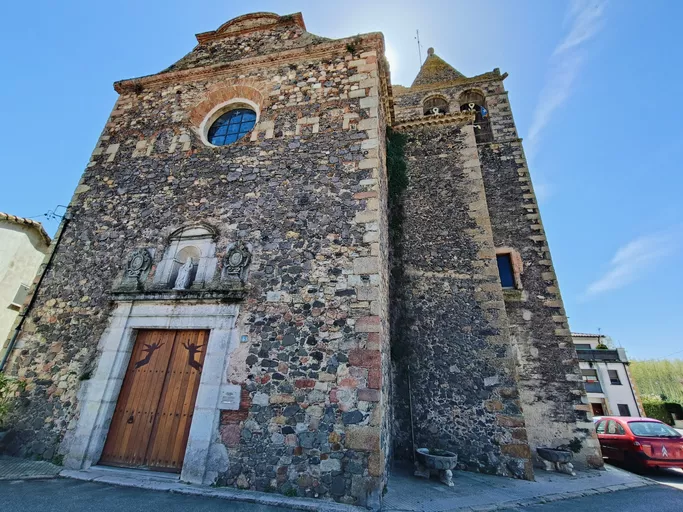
(658, 378)
(8, 389)
(656, 408)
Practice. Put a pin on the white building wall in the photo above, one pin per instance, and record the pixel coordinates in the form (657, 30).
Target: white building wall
(613, 394)
(22, 250)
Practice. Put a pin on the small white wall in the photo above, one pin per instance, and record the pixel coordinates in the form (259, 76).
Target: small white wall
(22, 250)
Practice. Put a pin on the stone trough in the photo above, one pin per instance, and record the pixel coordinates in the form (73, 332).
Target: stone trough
(557, 459)
(441, 461)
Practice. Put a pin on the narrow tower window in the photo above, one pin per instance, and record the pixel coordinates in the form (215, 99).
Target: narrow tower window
(472, 101)
(232, 126)
(507, 274)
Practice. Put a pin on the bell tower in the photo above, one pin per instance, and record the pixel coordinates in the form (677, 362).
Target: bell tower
(477, 314)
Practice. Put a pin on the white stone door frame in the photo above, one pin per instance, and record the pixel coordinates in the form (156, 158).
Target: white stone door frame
(205, 455)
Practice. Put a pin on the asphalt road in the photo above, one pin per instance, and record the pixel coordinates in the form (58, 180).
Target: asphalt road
(671, 477)
(667, 497)
(61, 495)
(658, 498)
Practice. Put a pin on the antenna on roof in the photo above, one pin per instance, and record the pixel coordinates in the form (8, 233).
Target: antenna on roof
(52, 214)
(419, 46)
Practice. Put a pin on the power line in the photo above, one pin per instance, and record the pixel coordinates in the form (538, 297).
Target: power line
(672, 354)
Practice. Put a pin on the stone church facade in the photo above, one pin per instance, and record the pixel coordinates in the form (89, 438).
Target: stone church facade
(278, 270)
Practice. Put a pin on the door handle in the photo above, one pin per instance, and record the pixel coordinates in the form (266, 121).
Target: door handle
(131, 419)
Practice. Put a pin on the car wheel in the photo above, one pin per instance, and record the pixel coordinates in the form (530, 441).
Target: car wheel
(633, 463)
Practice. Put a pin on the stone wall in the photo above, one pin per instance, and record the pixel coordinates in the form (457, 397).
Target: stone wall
(551, 390)
(553, 396)
(449, 329)
(307, 192)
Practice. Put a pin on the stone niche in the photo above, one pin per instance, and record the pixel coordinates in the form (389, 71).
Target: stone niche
(188, 268)
(195, 243)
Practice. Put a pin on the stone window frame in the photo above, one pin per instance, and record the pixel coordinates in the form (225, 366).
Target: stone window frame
(435, 97)
(220, 109)
(517, 264)
(205, 454)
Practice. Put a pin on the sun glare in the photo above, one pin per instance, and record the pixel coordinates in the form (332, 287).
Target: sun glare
(392, 57)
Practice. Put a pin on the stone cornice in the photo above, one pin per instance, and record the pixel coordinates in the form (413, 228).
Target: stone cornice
(400, 90)
(459, 118)
(373, 39)
(226, 295)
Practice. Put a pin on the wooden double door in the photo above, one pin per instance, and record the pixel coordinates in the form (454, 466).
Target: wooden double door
(153, 414)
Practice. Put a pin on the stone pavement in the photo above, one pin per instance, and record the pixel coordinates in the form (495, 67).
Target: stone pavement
(12, 468)
(474, 491)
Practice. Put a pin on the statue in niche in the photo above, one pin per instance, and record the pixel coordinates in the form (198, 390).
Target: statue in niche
(183, 281)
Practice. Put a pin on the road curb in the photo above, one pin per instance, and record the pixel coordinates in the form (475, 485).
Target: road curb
(225, 493)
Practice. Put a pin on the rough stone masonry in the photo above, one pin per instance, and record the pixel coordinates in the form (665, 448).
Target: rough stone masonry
(305, 195)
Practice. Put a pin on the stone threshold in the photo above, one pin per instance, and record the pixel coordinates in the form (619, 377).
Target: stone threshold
(157, 481)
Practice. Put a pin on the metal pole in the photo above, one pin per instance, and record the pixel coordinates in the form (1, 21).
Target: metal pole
(419, 47)
(410, 408)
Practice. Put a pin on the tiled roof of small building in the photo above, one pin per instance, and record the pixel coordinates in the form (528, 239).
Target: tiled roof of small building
(27, 222)
(435, 70)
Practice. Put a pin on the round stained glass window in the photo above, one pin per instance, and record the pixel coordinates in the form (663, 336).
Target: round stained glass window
(232, 126)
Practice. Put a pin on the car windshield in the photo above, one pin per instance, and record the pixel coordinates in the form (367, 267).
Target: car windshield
(652, 429)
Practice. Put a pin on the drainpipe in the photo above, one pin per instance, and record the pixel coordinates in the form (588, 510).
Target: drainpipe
(17, 330)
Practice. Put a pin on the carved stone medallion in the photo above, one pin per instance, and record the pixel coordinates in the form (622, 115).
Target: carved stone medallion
(237, 260)
(138, 262)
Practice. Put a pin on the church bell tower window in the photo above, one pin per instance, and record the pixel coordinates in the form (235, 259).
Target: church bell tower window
(472, 101)
(434, 106)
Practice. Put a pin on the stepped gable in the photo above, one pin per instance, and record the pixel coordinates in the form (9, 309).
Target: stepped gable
(248, 36)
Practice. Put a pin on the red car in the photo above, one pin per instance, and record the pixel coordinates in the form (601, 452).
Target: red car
(640, 442)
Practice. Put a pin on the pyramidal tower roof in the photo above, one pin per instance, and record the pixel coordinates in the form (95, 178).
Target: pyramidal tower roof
(435, 70)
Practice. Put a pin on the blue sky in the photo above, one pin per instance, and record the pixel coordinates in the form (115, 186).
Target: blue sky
(594, 86)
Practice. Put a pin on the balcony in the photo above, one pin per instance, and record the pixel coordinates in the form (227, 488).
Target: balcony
(593, 387)
(601, 355)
